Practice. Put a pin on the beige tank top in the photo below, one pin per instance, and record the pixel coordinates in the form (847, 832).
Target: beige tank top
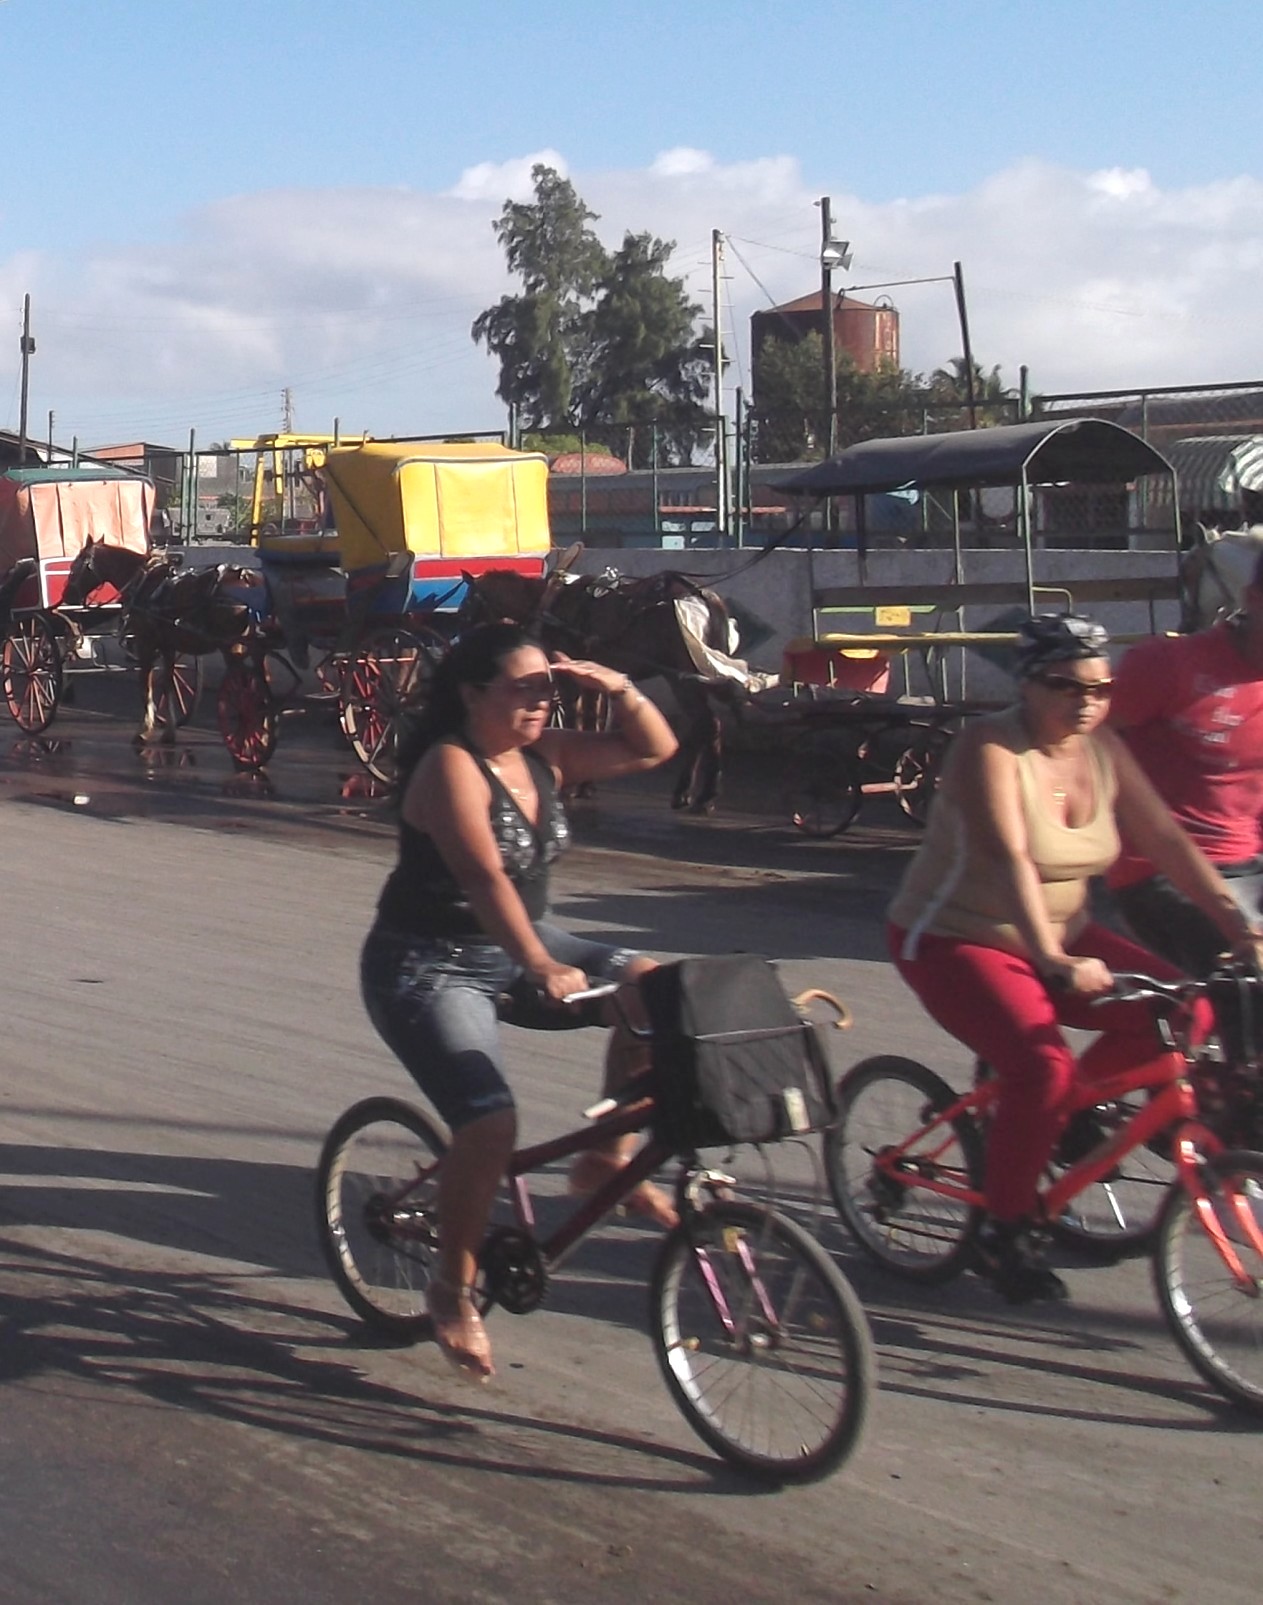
(952, 890)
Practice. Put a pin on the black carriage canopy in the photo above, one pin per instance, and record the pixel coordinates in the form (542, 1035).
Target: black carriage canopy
(1086, 451)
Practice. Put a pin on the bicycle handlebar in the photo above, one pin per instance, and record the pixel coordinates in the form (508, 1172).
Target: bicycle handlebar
(603, 989)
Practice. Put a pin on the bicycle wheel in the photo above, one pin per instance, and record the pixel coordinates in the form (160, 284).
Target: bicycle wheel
(1217, 1322)
(375, 1196)
(921, 1235)
(824, 794)
(762, 1343)
(1116, 1218)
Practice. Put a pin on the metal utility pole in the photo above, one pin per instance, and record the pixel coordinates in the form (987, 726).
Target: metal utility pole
(833, 253)
(721, 441)
(28, 350)
(828, 331)
(287, 410)
(958, 279)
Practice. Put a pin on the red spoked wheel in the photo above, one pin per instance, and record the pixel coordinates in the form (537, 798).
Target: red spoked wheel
(178, 699)
(32, 672)
(247, 715)
(388, 679)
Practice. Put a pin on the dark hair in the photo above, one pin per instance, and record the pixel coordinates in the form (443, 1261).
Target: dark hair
(474, 659)
(1058, 638)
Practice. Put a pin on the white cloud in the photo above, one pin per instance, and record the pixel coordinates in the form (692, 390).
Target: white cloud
(361, 299)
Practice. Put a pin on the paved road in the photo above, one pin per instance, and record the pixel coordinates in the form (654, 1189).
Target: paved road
(190, 1412)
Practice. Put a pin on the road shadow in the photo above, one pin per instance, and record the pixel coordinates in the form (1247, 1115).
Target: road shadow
(217, 1347)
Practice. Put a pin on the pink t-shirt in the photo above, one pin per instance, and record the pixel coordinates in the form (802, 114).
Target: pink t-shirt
(1191, 710)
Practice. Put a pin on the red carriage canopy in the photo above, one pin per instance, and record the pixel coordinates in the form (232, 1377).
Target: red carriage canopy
(50, 512)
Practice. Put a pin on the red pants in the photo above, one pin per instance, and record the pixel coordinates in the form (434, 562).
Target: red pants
(997, 1005)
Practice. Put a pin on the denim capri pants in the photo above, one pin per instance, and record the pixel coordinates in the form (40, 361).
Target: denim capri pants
(433, 1001)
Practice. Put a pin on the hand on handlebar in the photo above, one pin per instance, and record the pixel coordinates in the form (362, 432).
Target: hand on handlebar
(1083, 976)
(1249, 950)
(557, 981)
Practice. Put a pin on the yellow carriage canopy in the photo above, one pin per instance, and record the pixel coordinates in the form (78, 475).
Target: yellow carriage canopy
(453, 500)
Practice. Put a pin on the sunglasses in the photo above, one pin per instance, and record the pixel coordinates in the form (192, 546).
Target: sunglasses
(1070, 687)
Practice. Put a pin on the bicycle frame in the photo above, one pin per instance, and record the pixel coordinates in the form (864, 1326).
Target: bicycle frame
(1172, 1106)
(595, 1206)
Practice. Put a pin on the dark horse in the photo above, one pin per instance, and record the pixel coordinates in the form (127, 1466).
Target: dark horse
(631, 624)
(166, 610)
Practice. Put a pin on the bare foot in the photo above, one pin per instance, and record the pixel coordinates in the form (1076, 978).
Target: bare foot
(592, 1170)
(458, 1330)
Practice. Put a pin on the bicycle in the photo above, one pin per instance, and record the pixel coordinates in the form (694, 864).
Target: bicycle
(905, 1163)
(760, 1340)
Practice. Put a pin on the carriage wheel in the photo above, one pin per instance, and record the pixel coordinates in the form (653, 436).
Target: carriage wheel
(32, 672)
(247, 715)
(177, 700)
(389, 678)
(824, 794)
(917, 770)
(589, 710)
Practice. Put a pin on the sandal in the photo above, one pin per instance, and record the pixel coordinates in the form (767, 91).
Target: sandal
(592, 1170)
(458, 1329)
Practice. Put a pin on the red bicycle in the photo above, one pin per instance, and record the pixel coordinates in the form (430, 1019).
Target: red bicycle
(905, 1166)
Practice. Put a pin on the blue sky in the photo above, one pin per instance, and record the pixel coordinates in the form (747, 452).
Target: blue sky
(211, 201)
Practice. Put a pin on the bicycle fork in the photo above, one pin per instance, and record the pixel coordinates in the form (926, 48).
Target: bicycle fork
(1193, 1142)
(736, 1241)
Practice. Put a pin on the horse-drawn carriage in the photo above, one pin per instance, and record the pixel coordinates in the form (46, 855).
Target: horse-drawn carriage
(854, 737)
(47, 516)
(373, 581)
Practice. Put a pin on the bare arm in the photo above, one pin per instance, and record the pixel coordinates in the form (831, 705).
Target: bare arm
(984, 781)
(1155, 834)
(448, 798)
(641, 737)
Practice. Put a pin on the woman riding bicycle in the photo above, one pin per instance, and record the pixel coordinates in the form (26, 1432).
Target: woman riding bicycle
(991, 926)
(462, 919)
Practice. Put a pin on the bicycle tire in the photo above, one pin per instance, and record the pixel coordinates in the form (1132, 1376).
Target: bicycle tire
(783, 1396)
(1117, 1218)
(1217, 1324)
(375, 1213)
(920, 1235)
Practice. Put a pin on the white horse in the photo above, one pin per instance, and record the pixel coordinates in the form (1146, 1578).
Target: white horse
(1215, 572)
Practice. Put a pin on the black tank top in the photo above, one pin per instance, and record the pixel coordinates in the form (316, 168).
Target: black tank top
(422, 897)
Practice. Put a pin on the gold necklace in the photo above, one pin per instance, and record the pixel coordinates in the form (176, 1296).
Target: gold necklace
(518, 795)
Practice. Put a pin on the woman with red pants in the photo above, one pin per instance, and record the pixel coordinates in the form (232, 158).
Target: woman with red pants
(991, 926)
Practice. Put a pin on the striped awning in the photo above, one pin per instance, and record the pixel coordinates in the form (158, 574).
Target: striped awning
(1212, 471)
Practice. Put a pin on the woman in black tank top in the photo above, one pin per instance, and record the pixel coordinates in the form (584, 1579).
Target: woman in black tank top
(463, 917)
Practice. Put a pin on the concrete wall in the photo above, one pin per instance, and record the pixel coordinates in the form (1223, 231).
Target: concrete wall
(778, 589)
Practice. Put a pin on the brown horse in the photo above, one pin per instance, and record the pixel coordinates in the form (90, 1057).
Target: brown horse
(631, 624)
(166, 610)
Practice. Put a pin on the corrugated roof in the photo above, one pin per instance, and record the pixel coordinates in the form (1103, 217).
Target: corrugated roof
(1213, 470)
